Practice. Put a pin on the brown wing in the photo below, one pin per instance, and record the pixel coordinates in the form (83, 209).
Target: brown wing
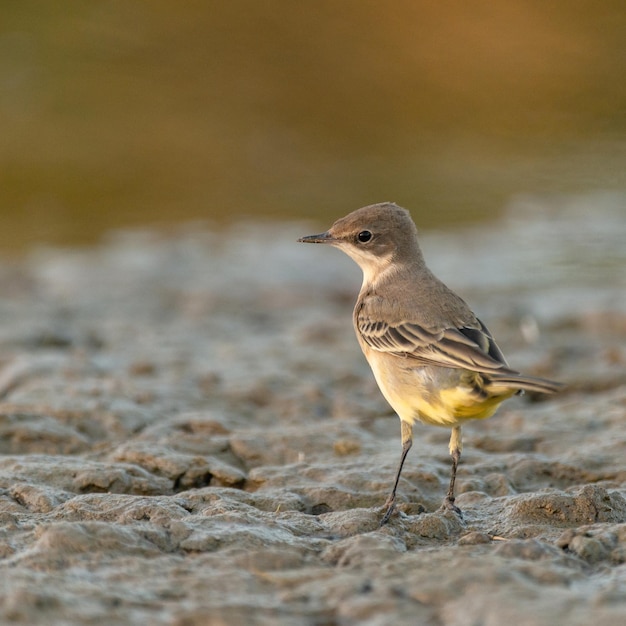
(469, 347)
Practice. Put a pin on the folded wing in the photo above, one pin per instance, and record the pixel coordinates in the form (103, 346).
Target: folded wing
(470, 347)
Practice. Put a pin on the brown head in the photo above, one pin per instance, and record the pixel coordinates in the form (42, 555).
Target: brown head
(374, 236)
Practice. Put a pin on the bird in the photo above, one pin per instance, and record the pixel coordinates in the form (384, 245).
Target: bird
(434, 361)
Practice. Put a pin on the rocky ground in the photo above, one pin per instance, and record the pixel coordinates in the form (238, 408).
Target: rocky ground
(189, 435)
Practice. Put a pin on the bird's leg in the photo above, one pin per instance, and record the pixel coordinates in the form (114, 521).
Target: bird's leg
(407, 442)
(456, 445)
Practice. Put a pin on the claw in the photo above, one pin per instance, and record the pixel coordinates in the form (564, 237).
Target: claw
(448, 505)
(390, 508)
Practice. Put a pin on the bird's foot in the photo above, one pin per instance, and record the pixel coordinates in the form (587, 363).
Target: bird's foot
(448, 505)
(389, 507)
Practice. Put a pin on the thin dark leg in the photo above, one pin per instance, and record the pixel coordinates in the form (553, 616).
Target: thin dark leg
(455, 453)
(407, 442)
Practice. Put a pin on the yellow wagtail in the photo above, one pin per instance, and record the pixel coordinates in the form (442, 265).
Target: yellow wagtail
(433, 359)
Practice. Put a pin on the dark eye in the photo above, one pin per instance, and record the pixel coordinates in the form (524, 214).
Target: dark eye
(364, 236)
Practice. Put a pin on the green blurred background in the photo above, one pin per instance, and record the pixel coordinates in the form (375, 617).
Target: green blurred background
(125, 113)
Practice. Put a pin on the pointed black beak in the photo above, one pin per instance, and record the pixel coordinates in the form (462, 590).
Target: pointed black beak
(321, 238)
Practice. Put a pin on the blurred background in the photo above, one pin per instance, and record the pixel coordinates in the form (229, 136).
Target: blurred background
(126, 113)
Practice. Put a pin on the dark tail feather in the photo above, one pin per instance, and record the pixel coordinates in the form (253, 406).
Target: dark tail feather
(512, 380)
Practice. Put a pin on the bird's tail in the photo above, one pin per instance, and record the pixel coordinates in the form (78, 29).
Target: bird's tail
(513, 380)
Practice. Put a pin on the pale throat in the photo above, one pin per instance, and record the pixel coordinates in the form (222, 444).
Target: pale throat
(376, 269)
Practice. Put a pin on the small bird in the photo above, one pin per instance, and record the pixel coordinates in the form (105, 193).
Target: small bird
(434, 361)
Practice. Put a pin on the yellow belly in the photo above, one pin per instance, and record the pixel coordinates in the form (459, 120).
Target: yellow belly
(433, 395)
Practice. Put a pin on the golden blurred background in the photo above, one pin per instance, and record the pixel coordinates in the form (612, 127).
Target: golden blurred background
(145, 112)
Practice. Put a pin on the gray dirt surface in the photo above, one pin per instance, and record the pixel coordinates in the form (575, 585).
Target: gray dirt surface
(189, 435)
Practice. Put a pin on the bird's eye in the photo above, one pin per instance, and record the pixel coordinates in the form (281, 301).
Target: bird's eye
(364, 236)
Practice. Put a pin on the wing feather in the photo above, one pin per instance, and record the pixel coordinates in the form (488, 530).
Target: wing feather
(468, 347)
